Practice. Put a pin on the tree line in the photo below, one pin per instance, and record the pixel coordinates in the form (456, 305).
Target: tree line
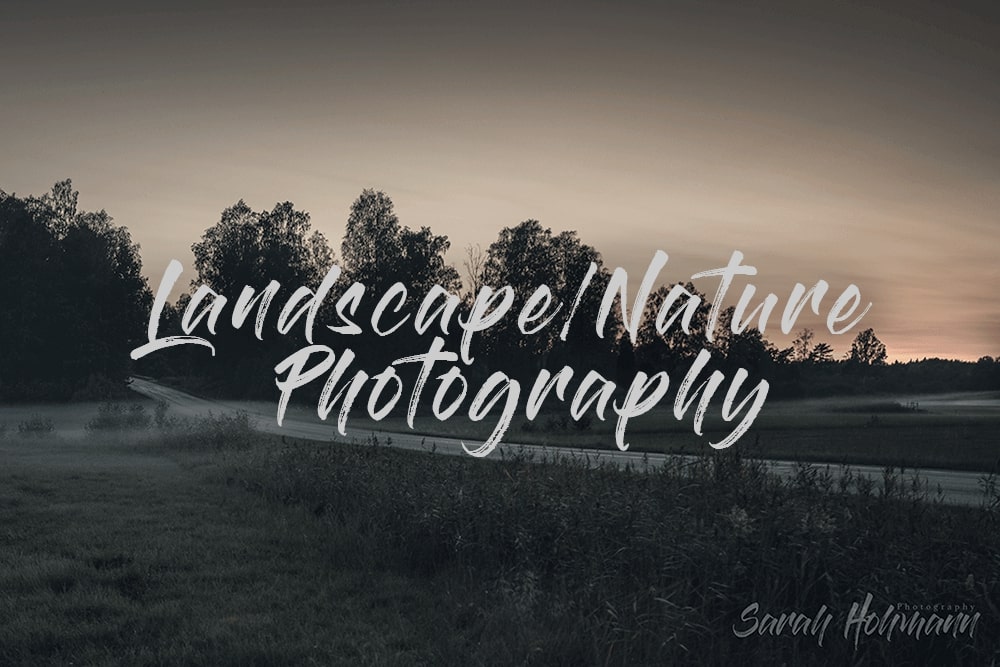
(74, 297)
(77, 303)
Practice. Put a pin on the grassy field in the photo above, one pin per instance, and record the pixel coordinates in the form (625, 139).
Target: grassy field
(204, 543)
(114, 553)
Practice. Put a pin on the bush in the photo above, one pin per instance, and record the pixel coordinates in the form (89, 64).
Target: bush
(225, 431)
(119, 416)
(212, 433)
(36, 425)
(160, 415)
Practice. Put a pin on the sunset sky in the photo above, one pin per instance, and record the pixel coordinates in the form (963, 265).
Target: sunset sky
(852, 144)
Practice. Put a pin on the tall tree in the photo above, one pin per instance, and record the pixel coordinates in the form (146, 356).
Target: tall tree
(527, 257)
(867, 349)
(802, 345)
(675, 347)
(248, 247)
(75, 299)
(748, 349)
(377, 251)
(822, 353)
(475, 259)
(253, 248)
(371, 239)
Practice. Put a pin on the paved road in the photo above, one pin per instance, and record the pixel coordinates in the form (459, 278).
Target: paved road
(960, 488)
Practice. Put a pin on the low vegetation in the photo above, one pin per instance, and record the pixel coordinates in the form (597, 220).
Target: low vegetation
(203, 542)
(577, 564)
(113, 415)
(35, 425)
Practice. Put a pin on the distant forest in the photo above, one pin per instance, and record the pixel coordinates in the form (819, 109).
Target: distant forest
(76, 304)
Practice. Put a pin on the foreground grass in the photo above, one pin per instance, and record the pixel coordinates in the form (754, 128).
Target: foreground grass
(604, 566)
(113, 554)
(208, 544)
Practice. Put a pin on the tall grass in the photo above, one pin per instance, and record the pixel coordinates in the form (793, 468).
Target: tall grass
(214, 432)
(114, 415)
(593, 564)
(224, 432)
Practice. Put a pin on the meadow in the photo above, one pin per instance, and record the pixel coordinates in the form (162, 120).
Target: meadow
(153, 540)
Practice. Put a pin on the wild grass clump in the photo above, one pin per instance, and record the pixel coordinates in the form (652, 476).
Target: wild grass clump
(214, 432)
(593, 564)
(160, 416)
(36, 425)
(114, 415)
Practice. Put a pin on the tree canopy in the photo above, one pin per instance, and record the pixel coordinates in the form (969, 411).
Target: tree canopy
(75, 300)
(248, 247)
(377, 251)
(255, 249)
(867, 349)
(526, 257)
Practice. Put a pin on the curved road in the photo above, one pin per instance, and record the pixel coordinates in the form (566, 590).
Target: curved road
(959, 488)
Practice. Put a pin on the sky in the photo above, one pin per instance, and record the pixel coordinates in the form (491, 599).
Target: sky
(852, 144)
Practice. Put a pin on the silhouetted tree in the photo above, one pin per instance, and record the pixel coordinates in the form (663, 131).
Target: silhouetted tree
(253, 248)
(747, 349)
(421, 264)
(75, 300)
(248, 247)
(802, 345)
(377, 251)
(674, 348)
(986, 373)
(527, 257)
(822, 353)
(475, 259)
(625, 366)
(371, 239)
(867, 349)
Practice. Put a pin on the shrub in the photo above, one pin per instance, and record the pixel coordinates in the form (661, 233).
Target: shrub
(160, 415)
(36, 425)
(212, 433)
(119, 416)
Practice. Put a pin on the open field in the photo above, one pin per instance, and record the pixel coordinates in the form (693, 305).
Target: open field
(206, 543)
